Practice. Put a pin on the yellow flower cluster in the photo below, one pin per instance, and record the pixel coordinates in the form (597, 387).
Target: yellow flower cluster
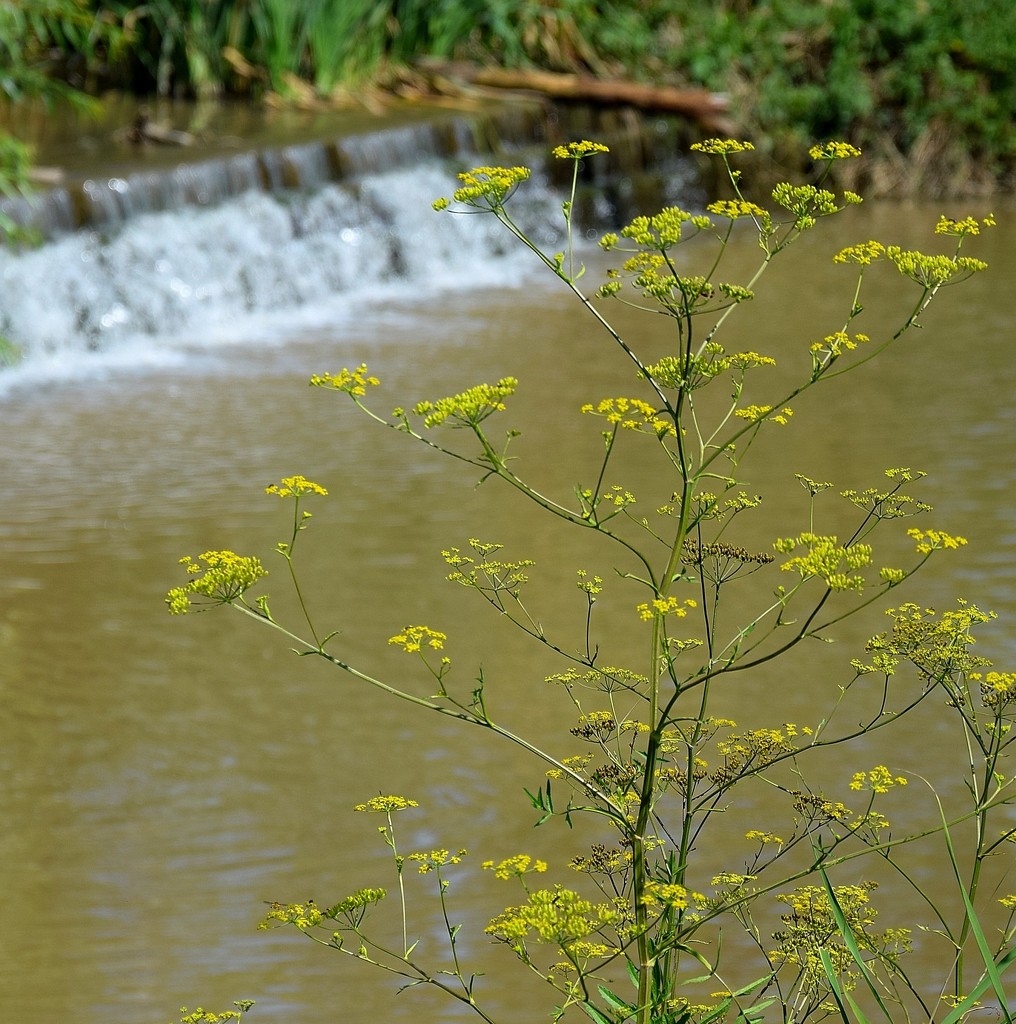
(490, 576)
(202, 1016)
(722, 147)
(412, 639)
(743, 361)
(666, 896)
(515, 867)
(617, 495)
(583, 952)
(835, 344)
(933, 271)
(386, 804)
(354, 905)
(758, 413)
(485, 187)
(301, 915)
(658, 232)
(435, 859)
(961, 228)
(469, 408)
(675, 372)
(937, 648)
(730, 879)
(935, 540)
(878, 780)
(763, 838)
(805, 202)
(997, 688)
(833, 151)
(578, 150)
(353, 382)
(631, 414)
(608, 678)
(224, 577)
(591, 585)
(754, 749)
(555, 915)
(295, 487)
(810, 938)
(602, 860)
(665, 606)
(595, 725)
(862, 254)
(826, 560)
(887, 574)
(733, 209)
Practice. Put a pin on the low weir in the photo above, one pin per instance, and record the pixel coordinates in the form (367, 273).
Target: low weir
(144, 266)
(509, 132)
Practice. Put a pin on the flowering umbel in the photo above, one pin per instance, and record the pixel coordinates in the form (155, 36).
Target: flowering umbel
(224, 577)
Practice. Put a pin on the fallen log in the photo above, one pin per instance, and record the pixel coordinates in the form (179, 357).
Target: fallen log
(707, 108)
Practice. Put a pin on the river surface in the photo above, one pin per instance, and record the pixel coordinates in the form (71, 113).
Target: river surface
(162, 778)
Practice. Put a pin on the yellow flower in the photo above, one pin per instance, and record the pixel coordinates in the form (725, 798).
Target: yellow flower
(631, 414)
(223, 578)
(961, 228)
(436, 859)
(933, 271)
(665, 606)
(413, 638)
(722, 147)
(833, 151)
(353, 382)
(486, 188)
(665, 895)
(863, 253)
(295, 487)
(733, 209)
(758, 413)
(578, 150)
(935, 540)
(878, 780)
(386, 804)
(515, 867)
(755, 836)
(469, 408)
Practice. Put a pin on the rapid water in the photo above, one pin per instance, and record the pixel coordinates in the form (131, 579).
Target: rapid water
(165, 285)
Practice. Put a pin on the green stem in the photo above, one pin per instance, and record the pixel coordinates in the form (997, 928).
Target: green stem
(608, 805)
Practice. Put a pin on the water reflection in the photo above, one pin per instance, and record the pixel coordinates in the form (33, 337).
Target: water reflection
(162, 778)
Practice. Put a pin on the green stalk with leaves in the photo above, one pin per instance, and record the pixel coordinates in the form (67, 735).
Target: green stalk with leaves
(639, 937)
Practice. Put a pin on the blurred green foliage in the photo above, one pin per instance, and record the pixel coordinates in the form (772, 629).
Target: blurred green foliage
(912, 82)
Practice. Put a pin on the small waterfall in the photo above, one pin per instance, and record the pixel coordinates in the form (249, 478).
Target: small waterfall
(105, 202)
(256, 244)
(173, 280)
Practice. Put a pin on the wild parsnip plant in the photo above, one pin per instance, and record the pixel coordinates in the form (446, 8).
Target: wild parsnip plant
(636, 929)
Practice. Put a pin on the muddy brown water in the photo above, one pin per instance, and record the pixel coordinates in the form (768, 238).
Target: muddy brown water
(163, 778)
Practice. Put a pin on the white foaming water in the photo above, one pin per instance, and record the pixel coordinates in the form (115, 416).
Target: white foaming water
(166, 286)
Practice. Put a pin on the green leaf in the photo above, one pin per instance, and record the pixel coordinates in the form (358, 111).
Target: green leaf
(848, 939)
(991, 976)
(595, 1014)
(834, 987)
(615, 1002)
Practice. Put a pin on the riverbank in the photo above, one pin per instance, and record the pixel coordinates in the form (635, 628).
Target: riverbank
(925, 88)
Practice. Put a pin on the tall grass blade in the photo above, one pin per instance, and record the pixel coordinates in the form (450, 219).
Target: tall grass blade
(837, 993)
(848, 939)
(991, 974)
